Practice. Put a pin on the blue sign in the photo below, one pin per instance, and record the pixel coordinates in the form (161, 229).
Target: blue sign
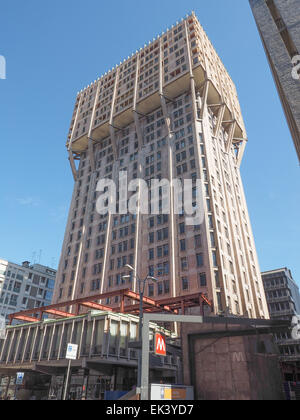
(72, 351)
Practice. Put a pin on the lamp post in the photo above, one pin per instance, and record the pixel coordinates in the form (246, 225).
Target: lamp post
(142, 285)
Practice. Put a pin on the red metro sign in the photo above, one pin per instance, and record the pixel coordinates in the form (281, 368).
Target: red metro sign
(160, 345)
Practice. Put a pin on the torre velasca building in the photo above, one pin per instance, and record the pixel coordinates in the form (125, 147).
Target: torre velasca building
(170, 111)
(278, 22)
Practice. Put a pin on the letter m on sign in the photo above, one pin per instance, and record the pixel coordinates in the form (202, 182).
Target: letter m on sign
(160, 345)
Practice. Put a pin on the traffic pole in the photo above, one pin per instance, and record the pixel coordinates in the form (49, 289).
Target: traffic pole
(67, 380)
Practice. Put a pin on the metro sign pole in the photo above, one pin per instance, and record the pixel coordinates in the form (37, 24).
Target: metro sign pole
(158, 343)
(142, 285)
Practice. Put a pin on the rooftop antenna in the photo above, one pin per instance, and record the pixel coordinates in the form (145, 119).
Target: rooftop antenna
(33, 257)
(40, 256)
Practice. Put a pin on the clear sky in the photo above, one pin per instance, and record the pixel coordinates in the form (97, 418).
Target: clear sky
(55, 48)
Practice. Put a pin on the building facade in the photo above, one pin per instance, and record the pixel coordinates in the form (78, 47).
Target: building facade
(170, 111)
(278, 22)
(283, 297)
(24, 286)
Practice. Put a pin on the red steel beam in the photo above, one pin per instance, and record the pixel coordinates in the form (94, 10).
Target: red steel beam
(73, 302)
(177, 299)
(136, 308)
(203, 297)
(97, 306)
(136, 296)
(169, 304)
(59, 313)
(23, 318)
(146, 300)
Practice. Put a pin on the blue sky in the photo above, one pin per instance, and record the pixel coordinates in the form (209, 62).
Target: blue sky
(55, 48)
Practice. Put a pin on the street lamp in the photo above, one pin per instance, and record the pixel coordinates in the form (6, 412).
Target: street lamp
(142, 285)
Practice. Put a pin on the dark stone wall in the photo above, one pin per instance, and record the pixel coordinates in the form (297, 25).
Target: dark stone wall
(231, 368)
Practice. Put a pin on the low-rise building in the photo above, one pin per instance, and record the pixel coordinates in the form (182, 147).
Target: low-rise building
(24, 286)
(106, 364)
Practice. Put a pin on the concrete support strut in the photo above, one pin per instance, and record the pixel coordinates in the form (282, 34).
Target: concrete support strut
(111, 120)
(91, 142)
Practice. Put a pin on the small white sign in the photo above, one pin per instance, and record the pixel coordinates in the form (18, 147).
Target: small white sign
(72, 351)
(20, 377)
(161, 392)
(2, 328)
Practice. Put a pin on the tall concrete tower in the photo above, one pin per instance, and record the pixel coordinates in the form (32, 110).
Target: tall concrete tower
(170, 111)
(278, 22)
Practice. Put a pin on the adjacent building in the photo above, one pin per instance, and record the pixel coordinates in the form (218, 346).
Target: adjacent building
(24, 286)
(282, 293)
(278, 22)
(169, 111)
(283, 297)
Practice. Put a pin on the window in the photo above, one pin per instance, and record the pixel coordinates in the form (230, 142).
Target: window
(151, 254)
(166, 250)
(167, 286)
(200, 261)
(184, 264)
(185, 283)
(151, 290)
(208, 205)
(160, 288)
(217, 279)
(202, 280)
(181, 228)
(214, 257)
(219, 300)
(182, 245)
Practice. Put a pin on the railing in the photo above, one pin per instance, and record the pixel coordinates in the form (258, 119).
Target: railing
(282, 313)
(279, 299)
